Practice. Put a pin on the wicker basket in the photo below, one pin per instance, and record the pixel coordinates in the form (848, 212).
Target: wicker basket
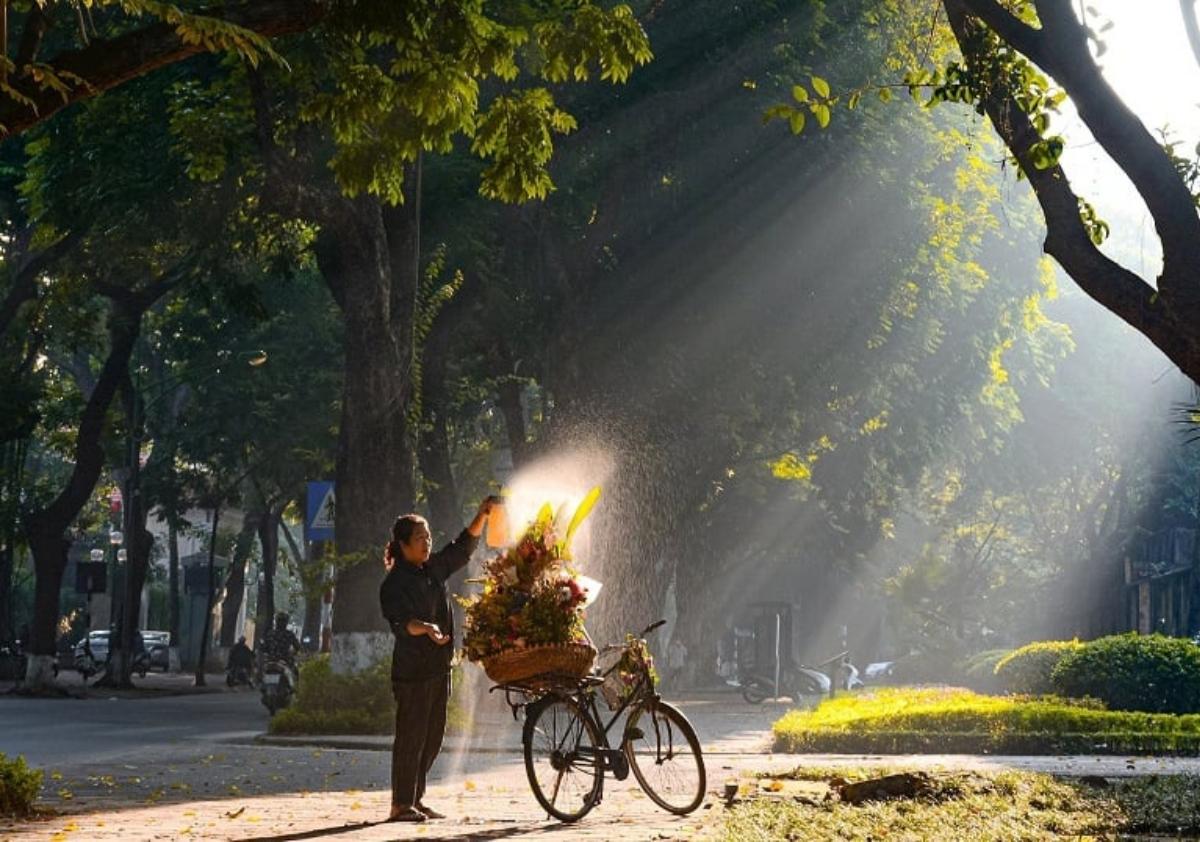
(513, 666)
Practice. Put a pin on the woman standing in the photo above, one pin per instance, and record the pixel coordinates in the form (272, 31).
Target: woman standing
(415, 603)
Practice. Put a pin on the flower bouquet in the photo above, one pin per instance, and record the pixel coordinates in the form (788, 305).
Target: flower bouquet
(528, 619)
(622, 678)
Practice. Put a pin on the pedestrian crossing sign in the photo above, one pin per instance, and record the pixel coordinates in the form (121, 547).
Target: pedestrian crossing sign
(320, 509)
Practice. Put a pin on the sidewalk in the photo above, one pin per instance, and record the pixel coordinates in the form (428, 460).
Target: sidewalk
(154, 685)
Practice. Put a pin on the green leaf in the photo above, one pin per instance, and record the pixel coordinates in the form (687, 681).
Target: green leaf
(821, 112)
(581, 513)
(820, 86)
(799, 93)
(885, 94)
(796, 120)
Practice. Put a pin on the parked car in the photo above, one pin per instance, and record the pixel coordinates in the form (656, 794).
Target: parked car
(155, 642)
(158, 648)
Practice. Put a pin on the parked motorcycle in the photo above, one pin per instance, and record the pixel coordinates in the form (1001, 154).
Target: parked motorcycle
(793, 681)
(278, 685)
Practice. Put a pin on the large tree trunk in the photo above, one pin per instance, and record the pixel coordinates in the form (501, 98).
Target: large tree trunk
(366, 256)
(46, 528)
(235, 580)
(268, 540)
(12, 460)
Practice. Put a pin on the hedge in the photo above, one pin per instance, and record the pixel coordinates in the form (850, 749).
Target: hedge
(1027, 669)
(942, 720)
(356, 703)
(1134, 672)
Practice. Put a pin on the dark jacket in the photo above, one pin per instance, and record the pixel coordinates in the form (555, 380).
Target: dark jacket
(419, 593)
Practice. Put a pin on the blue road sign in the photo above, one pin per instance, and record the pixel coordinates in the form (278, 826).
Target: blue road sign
(319, 511)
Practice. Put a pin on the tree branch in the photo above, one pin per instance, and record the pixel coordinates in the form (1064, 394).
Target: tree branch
(1060, 48)
(105, 64)
(1190, 25)
(1109, 283)
(29, 267)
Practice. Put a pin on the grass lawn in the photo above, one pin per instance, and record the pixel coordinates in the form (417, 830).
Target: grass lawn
(952, 720)
(978, 807)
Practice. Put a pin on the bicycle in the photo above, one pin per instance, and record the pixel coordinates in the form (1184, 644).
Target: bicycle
(567, 750)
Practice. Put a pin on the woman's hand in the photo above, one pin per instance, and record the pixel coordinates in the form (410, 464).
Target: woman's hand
(475, 528)
(417, 628)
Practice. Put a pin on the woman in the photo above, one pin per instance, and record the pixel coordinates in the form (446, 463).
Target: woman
(414, 601)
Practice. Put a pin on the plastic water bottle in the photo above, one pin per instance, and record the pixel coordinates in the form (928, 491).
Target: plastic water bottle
(497, 523)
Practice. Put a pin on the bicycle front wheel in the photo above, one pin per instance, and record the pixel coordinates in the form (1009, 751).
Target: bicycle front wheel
(664, 754)
(562, 759)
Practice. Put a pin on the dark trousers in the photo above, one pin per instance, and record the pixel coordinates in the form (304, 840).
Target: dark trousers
(420, 726)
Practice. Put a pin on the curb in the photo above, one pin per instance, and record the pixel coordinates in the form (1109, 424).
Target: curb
(350, 742)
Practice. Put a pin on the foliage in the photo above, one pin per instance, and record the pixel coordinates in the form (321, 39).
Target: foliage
(383, 114)
(1134, 672)
(330, 703)
(530, 596)
(987, 806)
(19, 786)
(356, 703)
(1027, 669)
(957, 720)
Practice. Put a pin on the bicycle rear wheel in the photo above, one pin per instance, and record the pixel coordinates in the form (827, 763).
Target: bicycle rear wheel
(664, 753)
(562, 758)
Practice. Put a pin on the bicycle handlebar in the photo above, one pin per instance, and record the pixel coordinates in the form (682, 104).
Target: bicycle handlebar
(652, 627)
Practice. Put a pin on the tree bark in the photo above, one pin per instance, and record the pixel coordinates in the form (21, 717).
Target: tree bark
(268, 539)
(366, 259)
(235, 580)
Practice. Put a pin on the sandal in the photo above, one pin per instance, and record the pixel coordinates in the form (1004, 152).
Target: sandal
(406, 814)
(429, 812)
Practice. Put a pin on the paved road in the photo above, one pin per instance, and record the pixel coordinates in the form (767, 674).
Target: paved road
(56, 732)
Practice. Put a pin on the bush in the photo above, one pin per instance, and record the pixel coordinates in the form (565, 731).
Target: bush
(359, 703)
(19, 786)
(327, 703)
(1133, 672)
(1027, 670)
